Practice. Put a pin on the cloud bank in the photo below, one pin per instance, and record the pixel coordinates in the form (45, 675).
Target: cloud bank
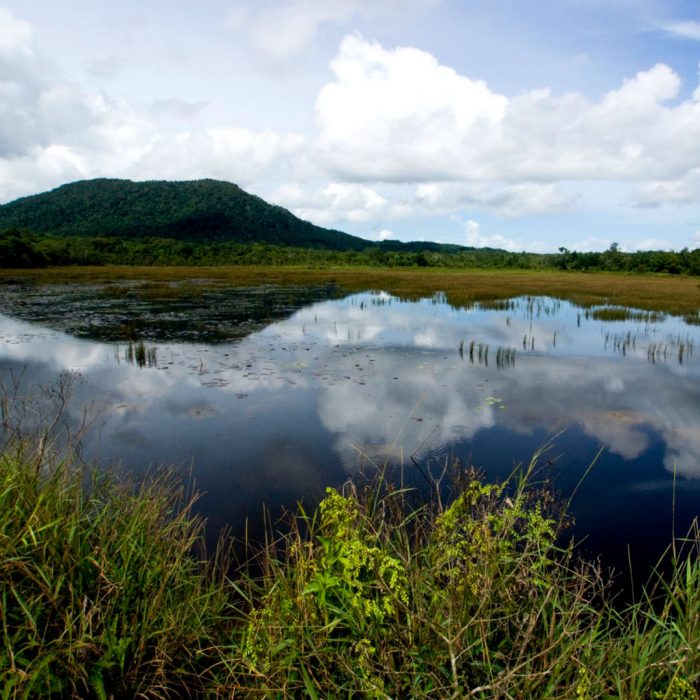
(399, 115)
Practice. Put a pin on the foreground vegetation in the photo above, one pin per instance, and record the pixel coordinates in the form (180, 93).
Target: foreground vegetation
(105, 592)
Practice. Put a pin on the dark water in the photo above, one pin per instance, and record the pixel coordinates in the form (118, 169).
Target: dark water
(276, 410)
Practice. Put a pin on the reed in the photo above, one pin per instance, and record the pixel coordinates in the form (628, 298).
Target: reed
(141, 355)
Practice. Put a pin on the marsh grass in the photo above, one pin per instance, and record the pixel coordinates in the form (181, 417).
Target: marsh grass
(670, 294)
(100, 592)
(141, 354)
(619, 313)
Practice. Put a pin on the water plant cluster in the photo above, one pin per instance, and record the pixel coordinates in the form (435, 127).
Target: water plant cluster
(106, 591)
(620, 342)
(479, 353)
(141, 355)
(621, 313)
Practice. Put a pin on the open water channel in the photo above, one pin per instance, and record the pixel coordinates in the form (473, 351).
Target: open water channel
(269, 395)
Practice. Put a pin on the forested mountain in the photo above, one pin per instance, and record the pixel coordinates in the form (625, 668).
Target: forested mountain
(198, 211)
(210, 222)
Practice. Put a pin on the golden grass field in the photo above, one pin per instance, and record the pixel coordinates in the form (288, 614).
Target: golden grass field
(671, 294)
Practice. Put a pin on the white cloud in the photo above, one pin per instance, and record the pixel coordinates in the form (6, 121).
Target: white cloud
(53, 130)
(596, 244)
(647, 244)
(280, 32)
(177, 109)
(682, 190)
(696, 238)
(15, 36)
(234, 154)
(338, 202)
(399, 115)
(683, 30)
(472, 228)
(385, 235)
(591, 244)
(511, 201)
(474, 237)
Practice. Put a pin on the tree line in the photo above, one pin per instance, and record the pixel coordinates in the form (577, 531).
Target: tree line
(23, 249)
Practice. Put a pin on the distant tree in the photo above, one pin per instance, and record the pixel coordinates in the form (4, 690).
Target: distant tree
(18, 249)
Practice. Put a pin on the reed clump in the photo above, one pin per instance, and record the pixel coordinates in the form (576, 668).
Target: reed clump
(620, 313)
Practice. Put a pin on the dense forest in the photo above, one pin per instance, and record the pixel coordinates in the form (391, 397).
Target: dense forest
(194, 211)
(207, 222)
(22, 250)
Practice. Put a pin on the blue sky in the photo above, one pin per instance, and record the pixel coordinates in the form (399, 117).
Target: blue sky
(522, 124)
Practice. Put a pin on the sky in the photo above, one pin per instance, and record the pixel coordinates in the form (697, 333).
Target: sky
(518, 124)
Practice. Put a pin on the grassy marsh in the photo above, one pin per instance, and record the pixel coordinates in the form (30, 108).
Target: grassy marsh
(377, 593)
(669, 294)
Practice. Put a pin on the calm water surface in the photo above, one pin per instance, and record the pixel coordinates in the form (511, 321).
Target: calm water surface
(272, 401)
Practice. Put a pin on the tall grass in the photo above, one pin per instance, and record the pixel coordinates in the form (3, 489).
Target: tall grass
(376, 594)
(469, 597)
(100, 594)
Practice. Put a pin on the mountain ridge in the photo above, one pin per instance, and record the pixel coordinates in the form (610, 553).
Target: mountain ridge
(195, 211)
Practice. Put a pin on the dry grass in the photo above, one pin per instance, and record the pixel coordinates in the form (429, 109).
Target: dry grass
(671, 294)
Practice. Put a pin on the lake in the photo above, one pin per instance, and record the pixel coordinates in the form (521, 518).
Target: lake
(267, 395)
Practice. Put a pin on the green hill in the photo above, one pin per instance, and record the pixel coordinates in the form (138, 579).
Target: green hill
(199, 211)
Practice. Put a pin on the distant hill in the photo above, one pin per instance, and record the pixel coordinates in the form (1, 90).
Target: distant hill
(198, 211)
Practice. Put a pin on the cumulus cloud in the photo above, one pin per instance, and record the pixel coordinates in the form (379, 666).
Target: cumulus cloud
(682, 190)
(648, 244)
(377, 203)
(338, 201)
(590, 244)
(506, 200)
(15, 37)
(234, 154)
(596, 244)
(174, 108)
(53, 130)
(385, 235)
(475, 238)
(399, 115)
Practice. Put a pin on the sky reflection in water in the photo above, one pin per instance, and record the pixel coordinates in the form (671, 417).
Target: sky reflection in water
(306, 401)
